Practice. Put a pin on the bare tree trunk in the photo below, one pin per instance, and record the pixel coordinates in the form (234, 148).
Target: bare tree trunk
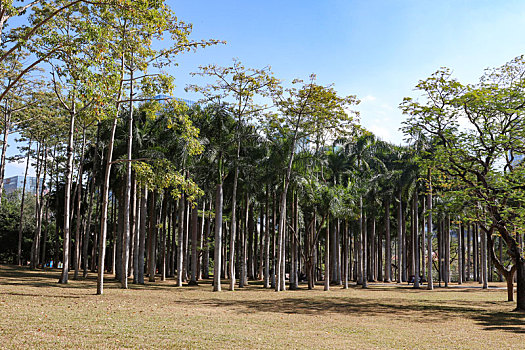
(461, 232)
(21, 224)
(217, 261)
(174, 220)
(180, 252)
(447, 250)
(169, 252)
(233, 230)
(423, 238)
(79, 203)
(520, 290)
(142, 234)
(36, 235)
(135, 229)
(469, 240)
(7, 128)
(327, 257)
(267, 241)
(163, 233)
(95, 234)
(346, 250)
(152, 233)
(260, 256)
(372, 266)
(206, 247)
(194, 230)
(475, 253)
(242, 238)
(67, 199)
(274, 240)
(282, 248)
(294, 279)
(87, 227)
(250, 238)
(105, 189)
(484, 259)
(388, 244)
(400, 239)
(416, 241)
(200, 252)
(364, 240)
(429, 233)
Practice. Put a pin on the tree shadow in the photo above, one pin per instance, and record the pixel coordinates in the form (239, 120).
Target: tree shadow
(293, 302)
(429, 312)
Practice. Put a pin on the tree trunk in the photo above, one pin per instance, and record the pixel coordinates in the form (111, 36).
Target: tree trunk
(79, 203)
(194, 231)
(447, 250)
(105, 190)
(250, 238)
(429, 233)
(7, 128)
(416, 240)
(233, 231)
(469, 235)
(200, 233)
(520, 295)
(180, 251)
(67, 200)
(163, 234)
(261, 231)
(267, 241)
(400, 239)
(186, 242)
(388, 244)
(152, 233)
(372, 266)
(243, 235)
(36, 235)
(217, 261)
(95, 234)
(423, 238)
(21, 224)
(87, 227)
(327, 256)
(294, 278)
(136, 231)
(364, 240)
(461, 232)
(274, 240)
(142, 234)
(346, 250)
(475, 253)
(484, 260)
(206, 247)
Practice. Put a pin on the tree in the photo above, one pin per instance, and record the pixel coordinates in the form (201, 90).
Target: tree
(309, 110)
(237, 86)
(477, 164)
(154, 20)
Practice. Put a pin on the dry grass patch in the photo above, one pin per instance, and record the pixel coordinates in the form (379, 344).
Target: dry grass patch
(36, 312)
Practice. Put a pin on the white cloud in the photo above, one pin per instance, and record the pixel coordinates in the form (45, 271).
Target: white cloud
(368, 98)
(381, 132)
(18, 168)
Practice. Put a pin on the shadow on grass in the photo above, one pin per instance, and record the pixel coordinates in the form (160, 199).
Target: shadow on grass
(23, 276)
(429, 312)
(423, 311)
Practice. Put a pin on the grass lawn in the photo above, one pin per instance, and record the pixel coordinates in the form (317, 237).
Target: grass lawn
(36, 312)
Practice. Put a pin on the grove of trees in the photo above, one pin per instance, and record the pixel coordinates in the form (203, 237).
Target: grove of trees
(259, 180)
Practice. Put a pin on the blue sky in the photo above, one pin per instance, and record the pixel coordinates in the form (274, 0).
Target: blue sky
(377, 50)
